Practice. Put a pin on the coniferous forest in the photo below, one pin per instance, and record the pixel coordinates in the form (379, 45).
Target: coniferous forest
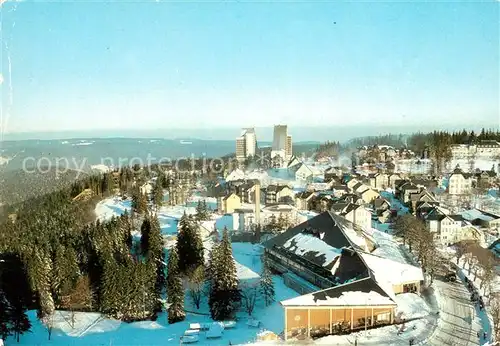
(54, 255)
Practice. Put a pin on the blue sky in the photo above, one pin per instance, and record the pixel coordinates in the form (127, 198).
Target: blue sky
(101, 65)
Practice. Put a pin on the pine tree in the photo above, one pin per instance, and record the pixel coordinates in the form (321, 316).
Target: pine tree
(158, 194)
(65, 271)
(40, 271)
(145, 235)
(189, 245)
(224, 292)
(267, 284)
(156, 255)
(19, 321)
(15, 295)
(201, 211)
(175, 291)
(5, 316)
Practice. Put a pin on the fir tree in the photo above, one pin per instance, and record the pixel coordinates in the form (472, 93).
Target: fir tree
(156, 255)
(65, 271)
(201, 211)
(19, 321)
(175, 291)
(158, 194)
(267, 284)
(189, 245)
(224, 292)
(5, 316)
(40, 271)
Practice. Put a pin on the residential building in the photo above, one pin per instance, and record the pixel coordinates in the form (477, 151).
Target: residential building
(482, 218)
(303, 200)
(344, 287)
(369, 195)
(380, 205)
(460, 183)
(333, 173)
(484, 149)
(379, 181)
(392, 180)
(279, 194)
(236, 174)
(351, 198)
(355, 213)
(484, 179)
(305, 173)
(422, 196)
(446, 228)
(246, 144)
(339, 190)
(229, 203)
(405, 190)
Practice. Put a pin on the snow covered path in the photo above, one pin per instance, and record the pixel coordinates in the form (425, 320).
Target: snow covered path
(459, 323)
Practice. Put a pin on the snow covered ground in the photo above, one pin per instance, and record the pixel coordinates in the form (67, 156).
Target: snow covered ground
(465, 164)
(94, 329)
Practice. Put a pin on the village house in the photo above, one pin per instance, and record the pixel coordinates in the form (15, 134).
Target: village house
(293, 162)
(304, 200)
(460, 183)
(446, 228)
(482, 218)
(279, 194)
(369, 195)
(379, 181)
(236, 174)
(484, 179)
(146, 188)
(393, 177)
(344, 287)
(339, 190)
(422, 196)
(351, 198)
(355, 213)
(322, 202)
(405, 190)
(227, 204)
(380, 205)
(352, 182)
(306, 173)
(333, 173)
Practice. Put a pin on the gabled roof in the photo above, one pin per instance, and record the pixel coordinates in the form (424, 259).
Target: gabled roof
(304, 195)
(357, 186)
(361, 292)
(379, 201)
(320, 239)
(458, 171)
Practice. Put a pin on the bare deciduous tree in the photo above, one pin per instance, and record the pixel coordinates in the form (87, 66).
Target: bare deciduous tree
(495, 314)
(249, 297)
(196, 282)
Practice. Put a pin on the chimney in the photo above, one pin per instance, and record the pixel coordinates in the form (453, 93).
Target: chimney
(257, 202)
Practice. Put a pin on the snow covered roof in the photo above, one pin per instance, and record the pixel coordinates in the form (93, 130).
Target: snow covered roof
(320, 237)
(474, 214)
(361, 292)
(390, 271)
(302, 244)
(237, 174)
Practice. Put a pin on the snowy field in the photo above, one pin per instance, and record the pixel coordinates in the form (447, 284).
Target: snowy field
(465, 164)
(94, 329)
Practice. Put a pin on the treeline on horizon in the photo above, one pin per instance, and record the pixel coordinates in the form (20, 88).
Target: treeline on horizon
(419, 142)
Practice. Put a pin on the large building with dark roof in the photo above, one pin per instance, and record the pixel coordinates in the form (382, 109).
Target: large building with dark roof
(344, 287)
